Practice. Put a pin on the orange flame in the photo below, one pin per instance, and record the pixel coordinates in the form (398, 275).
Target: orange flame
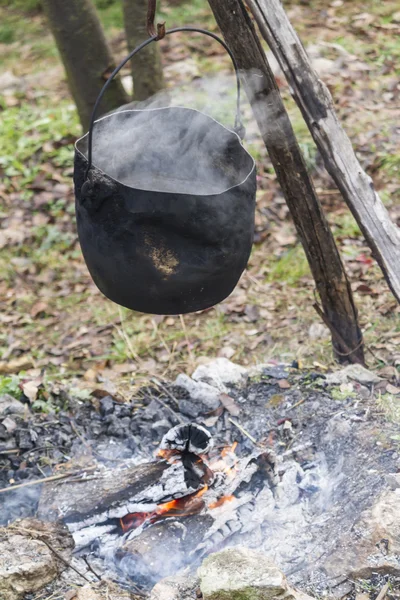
(221, 502)
(228, 461)
(181, 507)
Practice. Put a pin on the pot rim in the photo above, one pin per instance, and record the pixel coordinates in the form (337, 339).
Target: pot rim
(163, 191)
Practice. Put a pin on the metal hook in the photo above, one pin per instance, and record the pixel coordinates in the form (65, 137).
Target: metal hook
(151, 15)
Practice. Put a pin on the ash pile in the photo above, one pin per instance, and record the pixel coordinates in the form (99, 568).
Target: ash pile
(218, 470)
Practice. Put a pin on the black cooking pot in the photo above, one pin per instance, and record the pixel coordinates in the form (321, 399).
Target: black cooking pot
(165, 208)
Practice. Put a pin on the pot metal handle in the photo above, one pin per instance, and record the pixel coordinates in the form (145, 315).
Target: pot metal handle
(238, 127)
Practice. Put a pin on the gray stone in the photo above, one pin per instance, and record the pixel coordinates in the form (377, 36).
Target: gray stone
(373, 544)
(221, 372)
(27, 564)
(199, 391)
(352, 373)
(10, 406)
(177, 587)
(105, 590)
(242, 574)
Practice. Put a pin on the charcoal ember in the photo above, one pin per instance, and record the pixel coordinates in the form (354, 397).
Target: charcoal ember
(106, 406)
(61, 438)
(188, 438)
(122, 410)
(154, 411)
(96, 427)
(4, 434)
(22, 473)
(24, 439)
(119, 427)
(160, 428)
(193, 409)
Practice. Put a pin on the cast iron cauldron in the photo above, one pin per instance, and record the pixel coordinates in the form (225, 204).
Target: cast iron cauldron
(165, 202)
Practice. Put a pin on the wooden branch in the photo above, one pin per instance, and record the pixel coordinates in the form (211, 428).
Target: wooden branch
(316, 104)
(305, 208)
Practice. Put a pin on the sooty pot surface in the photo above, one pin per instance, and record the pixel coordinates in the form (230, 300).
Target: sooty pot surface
(166, 214)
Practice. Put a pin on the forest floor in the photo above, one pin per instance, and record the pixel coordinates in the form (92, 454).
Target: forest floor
(56, 326)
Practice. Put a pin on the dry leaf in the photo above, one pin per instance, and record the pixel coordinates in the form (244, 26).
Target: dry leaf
(230, 405)
(392, 389)
(14, 366)
(30, 389)
(284, 384)
(37, 308)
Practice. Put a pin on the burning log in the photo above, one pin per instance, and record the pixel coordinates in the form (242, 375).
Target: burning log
(179, 501)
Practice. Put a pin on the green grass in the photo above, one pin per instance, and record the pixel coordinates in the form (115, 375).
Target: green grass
(345, 226)
(24, 131)
(290, 268)
(191, 12)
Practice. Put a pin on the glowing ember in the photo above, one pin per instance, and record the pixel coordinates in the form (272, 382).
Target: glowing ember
(182, 507)
(221, 502)
(228, 462)
(191, 504)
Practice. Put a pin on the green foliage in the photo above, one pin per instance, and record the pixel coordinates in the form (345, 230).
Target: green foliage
(24, 132)
(10, 385)
(23, 5)
(7, 33)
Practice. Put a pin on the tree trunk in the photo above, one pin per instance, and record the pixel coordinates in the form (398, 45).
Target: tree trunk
(315, 102)
(147, 74)
(86, 55)
(280, 141)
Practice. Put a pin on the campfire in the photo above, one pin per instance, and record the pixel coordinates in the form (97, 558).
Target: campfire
(299, 476)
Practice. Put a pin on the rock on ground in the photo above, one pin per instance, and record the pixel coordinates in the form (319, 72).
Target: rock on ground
(221, 372)
(27, 563)
(178, 587)
(352, 373)
(100, 591)
(242, 574)
(10, 406)
(373, 544)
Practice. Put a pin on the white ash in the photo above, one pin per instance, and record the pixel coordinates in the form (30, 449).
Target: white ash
(188, 438)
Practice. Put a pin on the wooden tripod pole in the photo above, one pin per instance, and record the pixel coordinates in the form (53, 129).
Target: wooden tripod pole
(276, 130)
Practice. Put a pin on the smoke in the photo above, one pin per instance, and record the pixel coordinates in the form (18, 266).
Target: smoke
(174, 149)
(19, 504)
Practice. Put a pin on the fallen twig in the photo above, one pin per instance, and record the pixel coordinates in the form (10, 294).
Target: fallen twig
(383, 592)
(7, 452)
(11, 488)
(243, 430)
(62, 559)
(89, 566)
(165, 390)
(297, 404)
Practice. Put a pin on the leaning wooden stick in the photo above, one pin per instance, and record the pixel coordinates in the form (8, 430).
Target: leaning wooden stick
(300, 195)
(316, 104)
